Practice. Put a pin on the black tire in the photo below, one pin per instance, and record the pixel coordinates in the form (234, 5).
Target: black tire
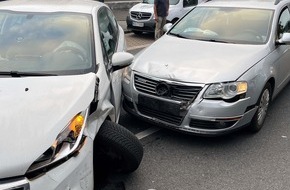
(261, 113)
(116, 149)
(137, 32)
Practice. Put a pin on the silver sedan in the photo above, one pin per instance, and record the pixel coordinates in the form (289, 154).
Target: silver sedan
(215, 70)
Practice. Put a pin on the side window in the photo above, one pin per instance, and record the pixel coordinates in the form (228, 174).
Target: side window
(283, 23)
(108, 31)
(188, 3)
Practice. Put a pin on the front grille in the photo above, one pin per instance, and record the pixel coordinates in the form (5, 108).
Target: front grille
(169, 118)
(14, 184)
(140, 15)
(204, 124)
(179, 92)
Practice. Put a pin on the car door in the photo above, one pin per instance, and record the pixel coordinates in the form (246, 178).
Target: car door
(283, 51)
(109, 34)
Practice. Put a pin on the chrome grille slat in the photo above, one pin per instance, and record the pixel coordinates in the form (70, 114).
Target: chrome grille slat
(179, 92)
(146, 89)
(148, 86)
(140, 15)
(145, 79)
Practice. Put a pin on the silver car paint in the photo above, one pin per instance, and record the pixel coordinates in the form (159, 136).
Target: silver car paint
(258, 64)
(189, 60)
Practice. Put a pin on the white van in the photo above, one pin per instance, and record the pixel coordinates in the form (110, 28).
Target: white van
(141, 15)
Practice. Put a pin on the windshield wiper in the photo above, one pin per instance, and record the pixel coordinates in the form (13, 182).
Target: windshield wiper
(177, 35)
(24, 74)
(213, 40)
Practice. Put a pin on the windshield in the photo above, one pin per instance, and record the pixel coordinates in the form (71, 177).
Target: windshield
(171, 2)
(229, 25)
(58, 43)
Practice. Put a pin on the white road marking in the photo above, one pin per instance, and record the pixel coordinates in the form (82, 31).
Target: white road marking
(147, 132)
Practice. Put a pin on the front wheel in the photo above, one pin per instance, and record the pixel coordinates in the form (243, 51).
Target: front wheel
(261, 113)
(116, 149)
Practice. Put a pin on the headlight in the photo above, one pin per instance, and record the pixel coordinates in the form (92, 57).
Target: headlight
(66, 144)
(225, 90)
(127, 74)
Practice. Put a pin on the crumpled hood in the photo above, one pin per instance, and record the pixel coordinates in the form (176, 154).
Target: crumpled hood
(195, 61)
(33, 112)
(143, 7)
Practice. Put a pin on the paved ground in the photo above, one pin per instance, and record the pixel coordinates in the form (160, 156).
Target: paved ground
(133, 41)
(121, 15)
(138, 41)
(121, 4)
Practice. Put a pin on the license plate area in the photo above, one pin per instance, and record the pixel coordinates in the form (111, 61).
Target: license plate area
(138, 24)
(159, 105)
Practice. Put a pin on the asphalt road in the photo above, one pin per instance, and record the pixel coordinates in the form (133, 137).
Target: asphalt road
(238, 161)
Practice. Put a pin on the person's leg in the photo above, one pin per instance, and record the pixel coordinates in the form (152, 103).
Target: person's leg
(162, 24)
(158, 28)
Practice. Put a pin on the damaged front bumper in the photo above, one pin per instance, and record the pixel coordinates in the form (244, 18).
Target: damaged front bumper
(74, 174)
(196, 116)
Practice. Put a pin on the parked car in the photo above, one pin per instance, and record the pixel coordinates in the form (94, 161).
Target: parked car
(141, 15)
(214, 71)
(60, 67)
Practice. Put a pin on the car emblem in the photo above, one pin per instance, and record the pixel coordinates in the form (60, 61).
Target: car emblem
(162, 89)
(139, 15)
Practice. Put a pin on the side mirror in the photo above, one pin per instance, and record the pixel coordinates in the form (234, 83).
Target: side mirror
(121, 60)
(285, 39)
(167, 27)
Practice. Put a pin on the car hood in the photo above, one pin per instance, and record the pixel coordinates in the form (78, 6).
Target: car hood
(197, 61)
(33, 112)
(143, 7)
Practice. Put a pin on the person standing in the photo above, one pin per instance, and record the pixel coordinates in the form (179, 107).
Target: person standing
(161, 8)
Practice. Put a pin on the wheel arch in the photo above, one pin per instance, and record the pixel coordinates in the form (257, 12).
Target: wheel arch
(271, 81)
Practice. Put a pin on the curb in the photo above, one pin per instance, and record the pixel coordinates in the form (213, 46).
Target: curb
(121, 4)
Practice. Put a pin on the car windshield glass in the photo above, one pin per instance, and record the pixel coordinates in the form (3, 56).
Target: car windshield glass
(171, 2)
(52, 43)
(148, 1)
(230, 25)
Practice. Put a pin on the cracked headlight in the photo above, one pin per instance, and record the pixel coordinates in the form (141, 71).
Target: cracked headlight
(66, 145)
(225, 91)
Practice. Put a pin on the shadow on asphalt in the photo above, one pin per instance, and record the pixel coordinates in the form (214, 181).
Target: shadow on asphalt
(107, 182)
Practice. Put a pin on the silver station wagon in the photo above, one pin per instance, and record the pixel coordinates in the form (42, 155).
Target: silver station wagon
(215, 70)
